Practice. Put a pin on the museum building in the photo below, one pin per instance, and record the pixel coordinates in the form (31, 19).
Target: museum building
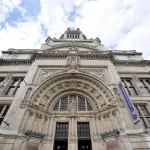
(73, 94)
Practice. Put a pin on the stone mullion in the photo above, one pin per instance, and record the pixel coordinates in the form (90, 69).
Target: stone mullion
(126, 85)
(72, 120)
(3, 110)
(16, 86)
(70, 126)
(134, 85)
(147, 85)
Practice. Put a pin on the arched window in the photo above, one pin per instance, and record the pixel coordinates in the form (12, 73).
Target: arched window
(80, 103)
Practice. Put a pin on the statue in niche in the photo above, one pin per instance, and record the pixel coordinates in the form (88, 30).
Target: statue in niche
(73, 62)
(5, 82)
(72, 107)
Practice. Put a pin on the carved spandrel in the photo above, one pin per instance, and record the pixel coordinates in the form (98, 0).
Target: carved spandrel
(48, 72)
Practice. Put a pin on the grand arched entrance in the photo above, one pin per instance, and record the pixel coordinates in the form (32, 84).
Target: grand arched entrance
(71, 109)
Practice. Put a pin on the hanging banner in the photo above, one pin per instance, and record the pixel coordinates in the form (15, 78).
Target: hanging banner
(128, 101)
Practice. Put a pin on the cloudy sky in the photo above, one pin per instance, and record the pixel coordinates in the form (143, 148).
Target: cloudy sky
(120, 24)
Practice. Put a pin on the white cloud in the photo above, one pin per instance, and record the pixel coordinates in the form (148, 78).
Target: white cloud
(6, 6)
(24, 35)
(120, 23)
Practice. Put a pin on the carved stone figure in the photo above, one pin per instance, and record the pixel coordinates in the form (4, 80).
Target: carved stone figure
(73, 62)
(72, 106)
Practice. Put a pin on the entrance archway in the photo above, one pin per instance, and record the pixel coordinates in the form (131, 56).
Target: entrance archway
(47, 108)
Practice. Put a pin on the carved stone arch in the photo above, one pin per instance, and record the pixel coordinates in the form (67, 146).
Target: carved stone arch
(54, 85)
(64, 81)
(89, 98)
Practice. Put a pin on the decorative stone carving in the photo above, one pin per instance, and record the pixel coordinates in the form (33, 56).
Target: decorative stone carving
(48, 72)
(4, 83)
(14, 56)
(73, 62)
(73, 105)
(100, 73)
(119, 98)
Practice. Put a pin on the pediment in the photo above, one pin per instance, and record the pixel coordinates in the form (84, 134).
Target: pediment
(72, 47)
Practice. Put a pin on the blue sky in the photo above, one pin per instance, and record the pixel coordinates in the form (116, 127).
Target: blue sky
(120, 24)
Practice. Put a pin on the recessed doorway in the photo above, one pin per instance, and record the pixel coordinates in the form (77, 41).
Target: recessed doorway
(84, 145)
(60, 145)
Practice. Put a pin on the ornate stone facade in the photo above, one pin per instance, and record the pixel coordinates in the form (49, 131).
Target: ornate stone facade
(68, 92)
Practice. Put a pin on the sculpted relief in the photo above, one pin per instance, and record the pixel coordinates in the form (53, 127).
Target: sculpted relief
(48, 72)
(100, 73)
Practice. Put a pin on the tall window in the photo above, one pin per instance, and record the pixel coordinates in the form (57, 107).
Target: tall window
(83, 130)
(143, 114)
(14, 86)
(61, 130)
(79, 103)
(3, 111)
(145, 86)
(129, 86)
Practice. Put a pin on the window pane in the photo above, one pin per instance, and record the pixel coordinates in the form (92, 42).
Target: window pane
(1, 119)
(148, 81)
(61, 130)
(17, 90)
(1, 108)
(5, 111)
(15, 82)
(145, 91)
(89, 108)
(83, 129)
(137, 110)
(1, 79)
(128, 82)
(64, 104)
(144, 110)
(143, 122)
(132, 91)
(81, 104)
(11, 90)
(56, 106)
(148, 120)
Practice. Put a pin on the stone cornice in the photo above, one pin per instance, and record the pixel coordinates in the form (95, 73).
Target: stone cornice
(131, 63)
(9, 62)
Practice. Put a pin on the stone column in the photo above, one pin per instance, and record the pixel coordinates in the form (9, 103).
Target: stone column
(72, 139)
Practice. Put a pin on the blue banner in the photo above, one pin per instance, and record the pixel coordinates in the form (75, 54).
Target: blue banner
(128, 101)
